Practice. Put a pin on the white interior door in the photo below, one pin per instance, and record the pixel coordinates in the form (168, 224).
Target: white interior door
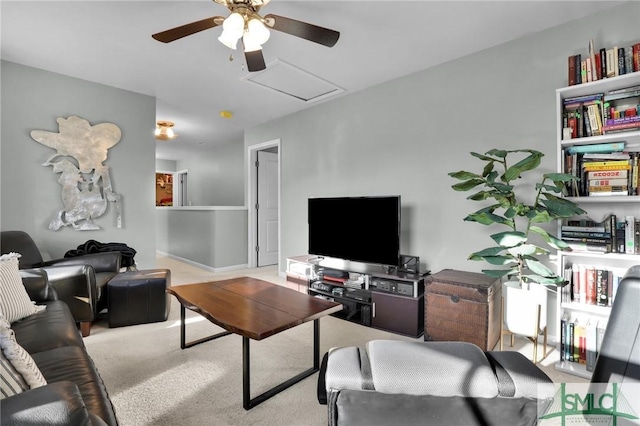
(267, 208)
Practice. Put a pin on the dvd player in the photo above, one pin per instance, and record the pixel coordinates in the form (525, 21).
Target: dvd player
(361, 295)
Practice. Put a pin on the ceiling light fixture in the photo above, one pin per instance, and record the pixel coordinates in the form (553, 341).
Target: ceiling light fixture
(164, 131)
(232, 30)
(245, 24)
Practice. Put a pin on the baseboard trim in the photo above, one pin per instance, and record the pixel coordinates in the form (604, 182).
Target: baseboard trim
(201, 265)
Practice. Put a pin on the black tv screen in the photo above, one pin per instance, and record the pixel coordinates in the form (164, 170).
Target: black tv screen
(361, 229)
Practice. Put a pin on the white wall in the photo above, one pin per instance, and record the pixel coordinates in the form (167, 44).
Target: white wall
(216, 178)
(33, 99)
(404, 136)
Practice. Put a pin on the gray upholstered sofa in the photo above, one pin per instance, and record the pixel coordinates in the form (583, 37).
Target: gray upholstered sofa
(75, 393)
(437, 383)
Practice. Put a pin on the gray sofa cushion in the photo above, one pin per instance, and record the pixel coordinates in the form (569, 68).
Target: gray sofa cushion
(417, 368)
(343, 367)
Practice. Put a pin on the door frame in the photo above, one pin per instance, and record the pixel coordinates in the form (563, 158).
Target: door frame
(180, 189)
(252, 199)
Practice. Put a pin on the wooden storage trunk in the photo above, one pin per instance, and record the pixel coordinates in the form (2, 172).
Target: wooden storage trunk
(463, 306)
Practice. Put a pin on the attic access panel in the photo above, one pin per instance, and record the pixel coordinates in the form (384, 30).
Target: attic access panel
(292, 81)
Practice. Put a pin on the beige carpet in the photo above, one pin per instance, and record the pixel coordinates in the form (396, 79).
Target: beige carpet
(152, 381)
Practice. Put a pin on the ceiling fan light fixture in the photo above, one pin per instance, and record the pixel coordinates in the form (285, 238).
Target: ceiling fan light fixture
(258, 30)
(250, 44)
(164, 131)
(230, 41)
(232, 30)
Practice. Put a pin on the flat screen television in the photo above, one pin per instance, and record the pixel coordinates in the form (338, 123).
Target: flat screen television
(360, 229)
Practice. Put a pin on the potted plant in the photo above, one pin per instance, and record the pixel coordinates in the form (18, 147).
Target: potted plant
(516, 251)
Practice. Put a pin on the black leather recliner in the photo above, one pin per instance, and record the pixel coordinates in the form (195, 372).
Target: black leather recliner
(81, 282)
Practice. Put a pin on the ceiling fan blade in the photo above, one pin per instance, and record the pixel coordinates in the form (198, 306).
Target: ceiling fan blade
(185, 30)
(255, 61)
(303, 30)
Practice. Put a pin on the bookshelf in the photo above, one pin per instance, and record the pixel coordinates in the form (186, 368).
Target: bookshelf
(598, 209)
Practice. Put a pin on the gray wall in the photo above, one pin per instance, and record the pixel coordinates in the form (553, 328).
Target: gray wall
(210, 237)
(165, 165)
(33, 99)
(216, 178)
(404, 136)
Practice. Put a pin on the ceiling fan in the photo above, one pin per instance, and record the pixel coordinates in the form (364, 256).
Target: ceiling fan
(245, 23)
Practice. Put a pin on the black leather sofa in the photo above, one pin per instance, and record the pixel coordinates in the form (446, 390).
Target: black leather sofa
(75, 393)
(85, 290)
(436, 383)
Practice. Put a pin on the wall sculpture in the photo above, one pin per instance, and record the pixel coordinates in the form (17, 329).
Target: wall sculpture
(81, 150)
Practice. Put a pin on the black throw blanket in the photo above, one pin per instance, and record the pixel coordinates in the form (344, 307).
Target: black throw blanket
(93, 246)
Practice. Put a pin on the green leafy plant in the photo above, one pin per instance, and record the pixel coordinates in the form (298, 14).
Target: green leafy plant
(515, 251)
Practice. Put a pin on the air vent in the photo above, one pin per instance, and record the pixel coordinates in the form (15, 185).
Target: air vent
(292, 81)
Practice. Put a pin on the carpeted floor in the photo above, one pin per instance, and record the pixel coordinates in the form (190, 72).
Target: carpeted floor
(152, 381)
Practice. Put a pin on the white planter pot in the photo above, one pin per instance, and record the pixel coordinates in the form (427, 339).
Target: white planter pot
(521, 308)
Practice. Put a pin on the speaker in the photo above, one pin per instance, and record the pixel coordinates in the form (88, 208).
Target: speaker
(409, 264)
(366, 314)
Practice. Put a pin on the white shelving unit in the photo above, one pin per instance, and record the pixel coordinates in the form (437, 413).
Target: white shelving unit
(597, 207)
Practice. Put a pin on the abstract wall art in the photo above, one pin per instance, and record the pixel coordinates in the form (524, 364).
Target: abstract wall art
(81, 150)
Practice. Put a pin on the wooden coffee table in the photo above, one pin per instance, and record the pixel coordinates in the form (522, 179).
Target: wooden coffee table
(254, 309)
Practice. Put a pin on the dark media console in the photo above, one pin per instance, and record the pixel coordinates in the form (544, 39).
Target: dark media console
(371, 296)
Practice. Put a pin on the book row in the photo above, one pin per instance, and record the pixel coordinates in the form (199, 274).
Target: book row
(610, 236)
(591, 285)
(601, 63)
(581, 339)
(602, 174)
(601, 113)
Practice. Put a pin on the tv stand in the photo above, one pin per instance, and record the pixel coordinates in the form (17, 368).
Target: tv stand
(371, 295)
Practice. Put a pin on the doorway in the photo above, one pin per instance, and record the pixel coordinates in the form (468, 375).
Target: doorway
(264, 204)
(171, 188)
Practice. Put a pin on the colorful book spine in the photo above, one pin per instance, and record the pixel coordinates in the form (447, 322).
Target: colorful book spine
(572, 78)
(622, 65)
(590, 285)
(623, 120)
(607, 193)
(629, 235)
(586, 234)
(601, 147)
(608, 182)
(607, 174)
(612, 128)
(591, 168)
(587, 240)
(588, 164)
(613, 230)
(632, 92)
(602, 287)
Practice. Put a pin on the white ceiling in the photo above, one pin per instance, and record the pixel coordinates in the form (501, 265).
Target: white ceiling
(193, 80)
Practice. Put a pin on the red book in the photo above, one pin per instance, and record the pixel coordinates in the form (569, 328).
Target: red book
(636, 57)
(572, 70)
(572, 122)
(622, 126)
(598, 66)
